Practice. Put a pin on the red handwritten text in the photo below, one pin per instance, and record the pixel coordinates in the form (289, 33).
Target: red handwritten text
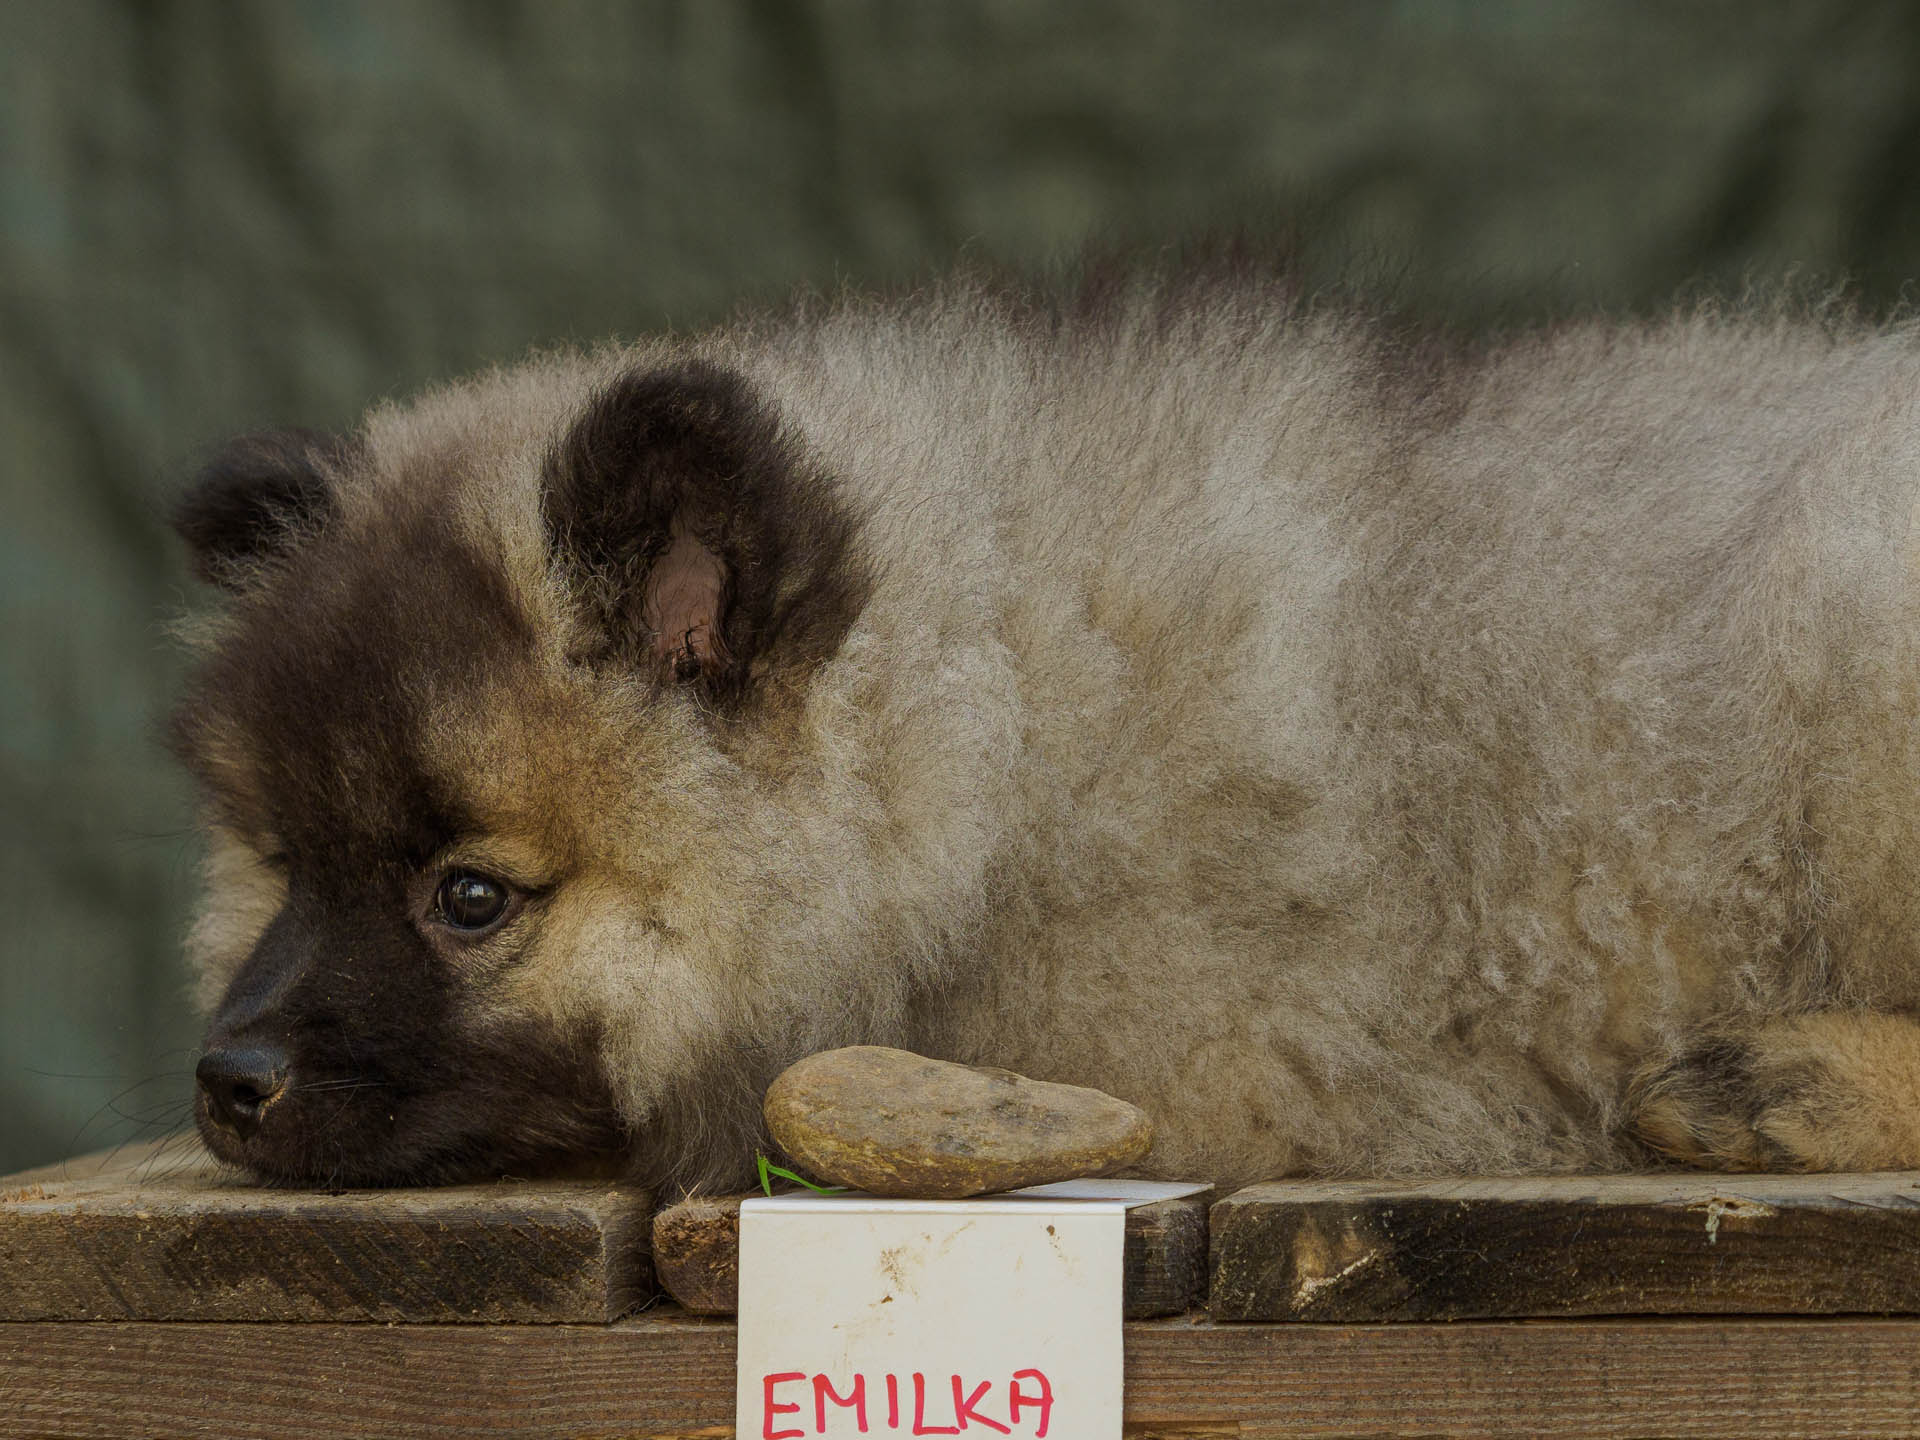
(1027, 1400)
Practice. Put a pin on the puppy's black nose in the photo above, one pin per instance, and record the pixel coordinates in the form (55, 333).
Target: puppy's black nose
(240, 1082)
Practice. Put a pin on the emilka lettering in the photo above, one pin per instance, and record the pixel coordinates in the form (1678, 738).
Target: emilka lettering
(1029, 1395)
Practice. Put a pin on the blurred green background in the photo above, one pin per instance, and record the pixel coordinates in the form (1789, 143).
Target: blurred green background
(217, 216)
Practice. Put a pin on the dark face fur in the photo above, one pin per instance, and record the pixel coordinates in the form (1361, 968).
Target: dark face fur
(361, 1040)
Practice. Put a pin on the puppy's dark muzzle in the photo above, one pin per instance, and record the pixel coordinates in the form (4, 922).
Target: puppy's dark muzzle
(240, 1082)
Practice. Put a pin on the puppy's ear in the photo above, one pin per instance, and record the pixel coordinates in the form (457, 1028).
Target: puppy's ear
(256, 498)
(706, 546)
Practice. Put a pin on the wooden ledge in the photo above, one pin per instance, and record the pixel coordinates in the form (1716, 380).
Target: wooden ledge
(665, 1374)
(160, 1232)
(148, 1236)
(1677, 1243)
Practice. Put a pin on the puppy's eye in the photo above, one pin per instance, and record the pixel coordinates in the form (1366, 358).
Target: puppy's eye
(468, 900)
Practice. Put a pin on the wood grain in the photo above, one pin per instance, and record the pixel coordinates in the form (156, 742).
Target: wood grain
(1613, 1245)
(696, 1254)
(160, 1232)
(1163, 1265)
(666, 1374)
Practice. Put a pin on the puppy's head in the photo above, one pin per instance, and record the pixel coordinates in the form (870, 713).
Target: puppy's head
(482, 729)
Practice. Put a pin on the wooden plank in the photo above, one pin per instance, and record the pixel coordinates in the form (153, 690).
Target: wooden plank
(667, 1374)
(696, 1255)
(1748, 1377)
(159, 1232)
(1611, 1245)
(1163, 1265)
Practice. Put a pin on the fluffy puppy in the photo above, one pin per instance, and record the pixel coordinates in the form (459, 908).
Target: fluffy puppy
(1368, 756)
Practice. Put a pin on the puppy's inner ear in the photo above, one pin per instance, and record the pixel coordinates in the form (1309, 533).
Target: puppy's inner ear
(255, 498)
(704, 543)
(683, 607)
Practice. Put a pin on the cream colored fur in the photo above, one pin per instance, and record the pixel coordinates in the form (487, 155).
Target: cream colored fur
(1365, 758)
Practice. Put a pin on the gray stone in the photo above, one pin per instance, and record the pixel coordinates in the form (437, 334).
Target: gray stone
(894, 1123)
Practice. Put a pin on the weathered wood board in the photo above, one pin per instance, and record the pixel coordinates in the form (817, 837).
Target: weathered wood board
(696, 1255)
(663, 1374)
(160, 1232)
(1666, 1244)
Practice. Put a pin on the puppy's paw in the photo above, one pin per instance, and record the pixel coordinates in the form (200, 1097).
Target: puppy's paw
(1838, 1091)
(1703, 1107)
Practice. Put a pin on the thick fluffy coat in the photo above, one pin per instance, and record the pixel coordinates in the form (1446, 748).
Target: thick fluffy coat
(1368, 755)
